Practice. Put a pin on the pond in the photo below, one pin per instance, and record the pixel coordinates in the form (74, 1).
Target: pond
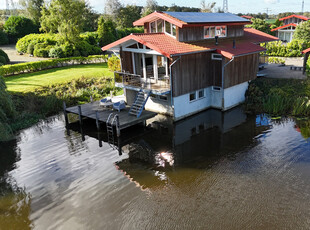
(212, 171)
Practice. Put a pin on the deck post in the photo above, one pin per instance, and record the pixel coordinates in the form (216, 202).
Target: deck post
(65, 112)
(118, 131)
(80, 115)
(97, 121)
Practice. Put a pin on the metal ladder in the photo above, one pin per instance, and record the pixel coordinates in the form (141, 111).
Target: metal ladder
(110, 131)
(138, 106)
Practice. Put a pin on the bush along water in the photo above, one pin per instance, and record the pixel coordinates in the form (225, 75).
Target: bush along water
(279, 97)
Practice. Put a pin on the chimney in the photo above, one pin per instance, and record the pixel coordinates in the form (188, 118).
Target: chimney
(216, 43)
(234, 44)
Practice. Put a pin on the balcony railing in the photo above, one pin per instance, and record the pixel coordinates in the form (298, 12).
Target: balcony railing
(129, 80)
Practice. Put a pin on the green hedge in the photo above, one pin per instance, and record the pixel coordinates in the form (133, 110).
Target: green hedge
(7, 70)
(291, 49)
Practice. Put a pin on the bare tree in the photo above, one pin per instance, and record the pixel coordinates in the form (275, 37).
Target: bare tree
(208, 8)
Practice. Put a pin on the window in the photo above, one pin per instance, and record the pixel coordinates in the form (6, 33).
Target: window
(216, 57)
(174, 30)
(212, 31)
(153, 27)
(163, 98)
(201, 93)
(192, 96)
(216, 88)
(160, 25)
(170, 28)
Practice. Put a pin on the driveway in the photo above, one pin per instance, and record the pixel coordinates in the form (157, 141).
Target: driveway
(277, 71)
(15, 57)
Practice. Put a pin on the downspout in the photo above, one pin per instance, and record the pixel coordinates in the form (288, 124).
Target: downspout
(223, 68)
(170, 69)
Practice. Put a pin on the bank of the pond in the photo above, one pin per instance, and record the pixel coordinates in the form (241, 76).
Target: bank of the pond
(279, 97)
(34, 97)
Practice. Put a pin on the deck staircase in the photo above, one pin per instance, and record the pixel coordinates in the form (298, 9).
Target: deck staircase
(140, 101)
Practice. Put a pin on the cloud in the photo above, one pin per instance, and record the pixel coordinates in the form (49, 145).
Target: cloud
(270, 1)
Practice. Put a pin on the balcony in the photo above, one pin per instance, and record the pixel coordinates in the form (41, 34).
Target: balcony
(160, 86)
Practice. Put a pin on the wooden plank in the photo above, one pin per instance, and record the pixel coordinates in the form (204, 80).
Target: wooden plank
(125, 120)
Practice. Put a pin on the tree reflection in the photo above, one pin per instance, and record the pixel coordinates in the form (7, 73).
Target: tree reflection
(15, 203)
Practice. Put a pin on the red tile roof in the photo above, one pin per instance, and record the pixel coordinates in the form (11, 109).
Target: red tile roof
(155, 15)
(306, 51)
(160, 42)
(284, 26)
(168, 46)
(295, 16)
(246, 16)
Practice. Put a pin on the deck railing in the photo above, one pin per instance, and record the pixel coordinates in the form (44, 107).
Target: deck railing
(134, 80)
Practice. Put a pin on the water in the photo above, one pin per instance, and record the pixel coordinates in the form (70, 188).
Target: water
(211, 171)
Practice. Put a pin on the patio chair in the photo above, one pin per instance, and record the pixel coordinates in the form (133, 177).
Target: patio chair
(119, 105)
(105, 101)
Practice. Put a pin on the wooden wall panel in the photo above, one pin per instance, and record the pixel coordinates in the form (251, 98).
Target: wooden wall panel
(126, 61)
(235, 31)
(194, 72)
(241, 69)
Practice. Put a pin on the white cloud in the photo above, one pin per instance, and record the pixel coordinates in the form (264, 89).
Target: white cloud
(270, 1)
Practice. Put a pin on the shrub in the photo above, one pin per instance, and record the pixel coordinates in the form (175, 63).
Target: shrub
(114, 63)
(276, 60)
(41, 52)
(68, 50)
(30, 48)
(56, 52)
(3, 54)
(47, 39)
(18, 26)
(3, 38)
(291, 49)
(2, 60)
(90, 37)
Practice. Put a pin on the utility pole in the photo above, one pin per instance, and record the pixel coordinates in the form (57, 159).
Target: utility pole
(267, 11)
(302, 7)
(225, 6)
(7, 9)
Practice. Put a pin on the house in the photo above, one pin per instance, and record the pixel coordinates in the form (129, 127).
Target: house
(285, 32)
(247, 17)
(186, 62)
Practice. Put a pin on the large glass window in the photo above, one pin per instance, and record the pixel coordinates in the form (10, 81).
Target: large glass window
(212, 31)
(153, 27)
(168, 27)
(160, 25)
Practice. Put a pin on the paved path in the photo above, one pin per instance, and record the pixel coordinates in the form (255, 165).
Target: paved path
(16, 57)
(277, 71)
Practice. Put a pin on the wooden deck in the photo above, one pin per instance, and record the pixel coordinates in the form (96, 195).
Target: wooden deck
(125, 120)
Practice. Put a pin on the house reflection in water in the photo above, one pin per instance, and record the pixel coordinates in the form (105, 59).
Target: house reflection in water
(171, 149)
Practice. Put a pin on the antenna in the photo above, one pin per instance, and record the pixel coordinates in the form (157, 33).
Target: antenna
(302, 6)
(225, 6)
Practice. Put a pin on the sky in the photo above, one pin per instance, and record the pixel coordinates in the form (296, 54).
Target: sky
(234, 6)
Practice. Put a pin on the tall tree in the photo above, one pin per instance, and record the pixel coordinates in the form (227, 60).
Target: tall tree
(260, 24)
(106, 31)
(150, 7)
(302, 31)
(207, 8)
(33, 9)
(112, 7)
(127, 15)
(65, 17)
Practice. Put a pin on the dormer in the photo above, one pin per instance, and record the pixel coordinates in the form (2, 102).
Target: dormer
(193, 26)
(293, 19)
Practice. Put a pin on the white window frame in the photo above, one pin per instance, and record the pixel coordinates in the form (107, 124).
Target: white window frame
(215, 33)
(203, 93)
(218, 57)
(171, 29)
(190, 96)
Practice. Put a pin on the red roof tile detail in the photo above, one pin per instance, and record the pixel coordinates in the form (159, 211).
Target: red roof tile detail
(257, 36)
(306, 51)
(284, 26)
(155, 15)
(160, 42)
(295, 16)
(246, 16)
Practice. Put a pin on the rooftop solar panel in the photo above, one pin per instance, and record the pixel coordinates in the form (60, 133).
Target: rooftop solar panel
(199, 17)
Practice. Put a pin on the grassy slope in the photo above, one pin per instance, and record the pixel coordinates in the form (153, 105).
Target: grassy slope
(28, 82)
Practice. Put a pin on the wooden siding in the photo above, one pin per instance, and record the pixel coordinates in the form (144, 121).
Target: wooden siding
(126, 61)
(241, 69)
(194, 72)
(235, 31)
(196, 33)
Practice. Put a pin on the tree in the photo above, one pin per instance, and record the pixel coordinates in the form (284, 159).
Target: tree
(65, 17)
(207, 7)
(302, 31)
(106, 31)
(127, 15)
(33, 9)
(150, 7)
(260, 24)
(18, 26)
(112, 8)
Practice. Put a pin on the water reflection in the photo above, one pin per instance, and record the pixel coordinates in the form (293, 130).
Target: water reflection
(15, 203)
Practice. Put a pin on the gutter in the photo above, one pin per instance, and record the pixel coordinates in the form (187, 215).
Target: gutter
(170, 69)
(223, 68)
(119, 59)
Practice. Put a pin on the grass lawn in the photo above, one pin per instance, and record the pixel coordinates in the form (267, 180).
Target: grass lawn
(28, 82)
(271, 20)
